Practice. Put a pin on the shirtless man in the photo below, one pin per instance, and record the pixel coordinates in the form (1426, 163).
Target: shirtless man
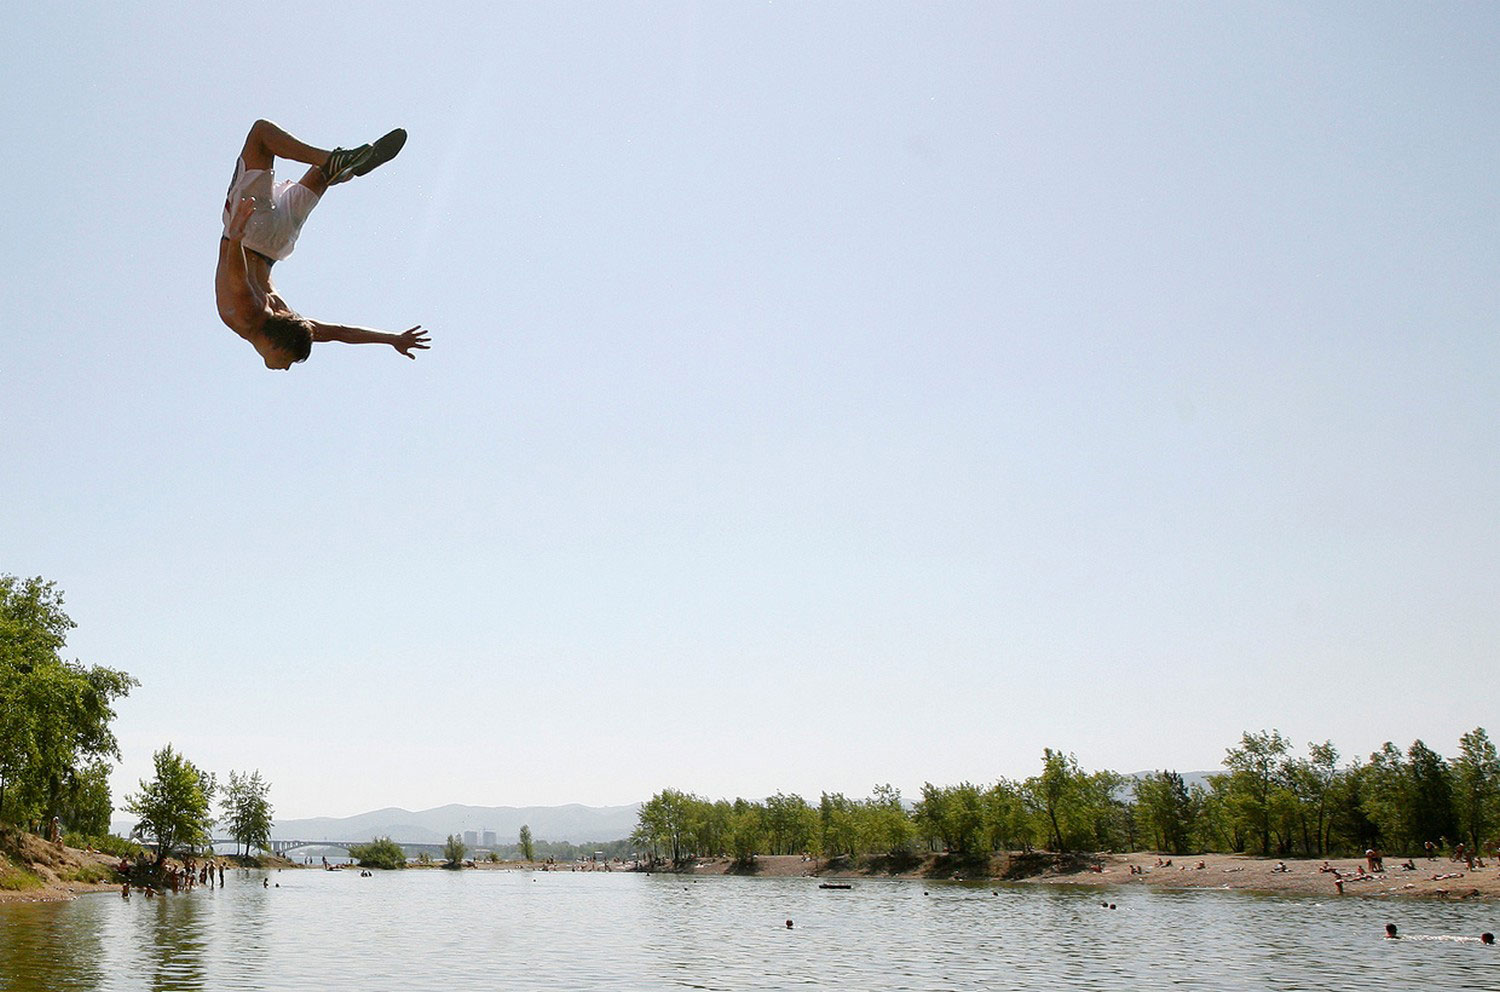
(261, 221)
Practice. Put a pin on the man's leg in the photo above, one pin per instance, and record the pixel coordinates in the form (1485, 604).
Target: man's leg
(266, 142)
(315, 179)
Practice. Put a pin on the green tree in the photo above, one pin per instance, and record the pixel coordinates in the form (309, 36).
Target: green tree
(1431, 795)
(1007, 825)
(838, 824)
(173, 807)
(85, 804)
(790, 824)
(54, 715)
(1255, 775)
(381, 852)
(952, 815)
(662, 825)
(1476, 787)
(1166, 810)
(884, 826)
(454, 850)
(528, 848)
(1052, 797)
(1386, 799)
(746, 833)
(247, 810)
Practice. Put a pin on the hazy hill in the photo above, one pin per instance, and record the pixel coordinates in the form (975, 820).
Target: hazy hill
(573, 823)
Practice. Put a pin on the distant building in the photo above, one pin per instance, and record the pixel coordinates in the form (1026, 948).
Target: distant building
(471, 838)
(489, 839)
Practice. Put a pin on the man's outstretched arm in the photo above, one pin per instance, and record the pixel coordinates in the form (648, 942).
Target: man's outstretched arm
(413, 339)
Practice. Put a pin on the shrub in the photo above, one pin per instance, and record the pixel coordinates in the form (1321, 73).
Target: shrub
(382, 852)
(454, 850)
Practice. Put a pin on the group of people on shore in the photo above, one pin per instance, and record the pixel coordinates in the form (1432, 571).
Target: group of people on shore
(181, 877)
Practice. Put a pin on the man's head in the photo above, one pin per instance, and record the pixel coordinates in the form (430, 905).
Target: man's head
(288, 340)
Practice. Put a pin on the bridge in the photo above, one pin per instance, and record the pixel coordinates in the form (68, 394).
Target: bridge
(282, 846)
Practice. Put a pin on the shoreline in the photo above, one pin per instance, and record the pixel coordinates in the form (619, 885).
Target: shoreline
(63, 871)
(1436, 878)
(1430, 878)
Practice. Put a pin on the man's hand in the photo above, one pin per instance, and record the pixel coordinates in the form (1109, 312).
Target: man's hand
(236, 229)
(414, 338)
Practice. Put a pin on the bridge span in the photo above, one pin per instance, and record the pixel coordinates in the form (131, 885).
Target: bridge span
(283, 846)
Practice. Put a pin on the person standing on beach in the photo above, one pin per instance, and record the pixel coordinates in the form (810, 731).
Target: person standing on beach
(262, 219)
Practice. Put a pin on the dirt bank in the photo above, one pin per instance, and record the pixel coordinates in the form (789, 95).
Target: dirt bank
(1437, 878)
(33, 870)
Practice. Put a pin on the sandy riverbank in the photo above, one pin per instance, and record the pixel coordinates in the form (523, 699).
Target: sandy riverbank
(46, 872)
(1438, 878)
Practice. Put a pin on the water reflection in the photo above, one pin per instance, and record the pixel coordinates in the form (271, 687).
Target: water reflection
(486, 930)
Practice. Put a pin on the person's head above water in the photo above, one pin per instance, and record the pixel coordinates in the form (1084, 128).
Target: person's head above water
(1390, 930)
(288, 340)
(1486, 938)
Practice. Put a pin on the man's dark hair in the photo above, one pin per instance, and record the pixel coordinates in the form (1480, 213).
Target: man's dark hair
(291, 334)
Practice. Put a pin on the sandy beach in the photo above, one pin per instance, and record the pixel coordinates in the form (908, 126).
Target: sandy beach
(1435, 878)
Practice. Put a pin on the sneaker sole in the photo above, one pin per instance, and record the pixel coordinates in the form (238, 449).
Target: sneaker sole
(382, 151)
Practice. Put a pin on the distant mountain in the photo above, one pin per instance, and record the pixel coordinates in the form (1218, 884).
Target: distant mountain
(573, 823)
(1189, 779)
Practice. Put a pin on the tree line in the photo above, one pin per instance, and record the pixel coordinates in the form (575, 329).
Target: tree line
(57, 746)
(174, 807)
(1268, 800)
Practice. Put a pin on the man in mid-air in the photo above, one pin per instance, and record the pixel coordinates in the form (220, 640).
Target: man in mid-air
(261, 221)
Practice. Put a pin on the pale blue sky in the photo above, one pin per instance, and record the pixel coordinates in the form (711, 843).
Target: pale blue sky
(820, 395)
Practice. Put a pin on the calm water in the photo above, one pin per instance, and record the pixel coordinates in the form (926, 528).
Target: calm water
(515, 930)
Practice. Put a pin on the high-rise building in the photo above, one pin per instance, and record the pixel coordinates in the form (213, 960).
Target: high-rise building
(489, 838)
(471, 838)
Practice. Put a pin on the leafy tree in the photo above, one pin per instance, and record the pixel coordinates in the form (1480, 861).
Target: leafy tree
(662, 824)
(1386, 798)
(1431, 795)
(1052, 795)
(1254, 776)
(790, 824)
(884, 827)
(745, 833)
(85, 803)
(1476, 786)
(1311, 781)
(247, 810)
(382, 852)
(708, 826)
(528, 848)
(454, 850)
(173, 807)
(838, 825)
(953, 815)
(1006, 823)
(54, 715)
(1167, 810)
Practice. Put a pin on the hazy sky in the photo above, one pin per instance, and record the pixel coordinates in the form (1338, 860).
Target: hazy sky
(820, 394)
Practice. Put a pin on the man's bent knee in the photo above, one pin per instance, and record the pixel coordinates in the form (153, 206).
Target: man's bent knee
(257, 151)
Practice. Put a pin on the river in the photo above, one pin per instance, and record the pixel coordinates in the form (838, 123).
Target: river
(441, 930)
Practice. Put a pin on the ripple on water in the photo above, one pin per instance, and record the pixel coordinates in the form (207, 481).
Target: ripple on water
(483, 930)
